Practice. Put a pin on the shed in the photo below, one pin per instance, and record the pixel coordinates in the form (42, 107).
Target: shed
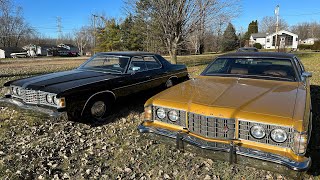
(2, 54)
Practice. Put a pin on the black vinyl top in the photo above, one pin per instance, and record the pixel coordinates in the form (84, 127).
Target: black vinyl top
(128, 53)
(258, 55)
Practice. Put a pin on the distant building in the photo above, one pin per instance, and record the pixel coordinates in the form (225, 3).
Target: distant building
(309, 41)
(285, 39)
(5, 52)
(2, 54)
(258, 38)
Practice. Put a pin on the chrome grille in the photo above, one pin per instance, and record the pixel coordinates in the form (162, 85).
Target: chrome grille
(30, 96)
(211, 127)
(180, 122)
(244, 133)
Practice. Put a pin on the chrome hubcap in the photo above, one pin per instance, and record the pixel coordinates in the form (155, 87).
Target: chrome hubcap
(98, 109)
(169, 83)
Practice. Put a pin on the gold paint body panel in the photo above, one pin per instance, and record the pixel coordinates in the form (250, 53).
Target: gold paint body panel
(263, 101)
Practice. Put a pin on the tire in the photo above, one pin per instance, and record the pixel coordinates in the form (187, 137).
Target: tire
(98, 109)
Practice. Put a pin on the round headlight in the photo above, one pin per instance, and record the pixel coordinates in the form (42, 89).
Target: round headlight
(15, 90)
(161, 113)
(257, 132)
(49, 98)
(12, 90)
(173, 115)
(18, 91)
(55, 100)
(278, 135)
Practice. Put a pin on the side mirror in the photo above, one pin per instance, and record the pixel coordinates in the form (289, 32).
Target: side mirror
(135, 68)
(306, 74)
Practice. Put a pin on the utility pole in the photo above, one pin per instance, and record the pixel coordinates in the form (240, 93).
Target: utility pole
(94, 32)
(276, 12)
(59, 31)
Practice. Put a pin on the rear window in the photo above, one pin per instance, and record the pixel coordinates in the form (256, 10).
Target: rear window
(252, 67)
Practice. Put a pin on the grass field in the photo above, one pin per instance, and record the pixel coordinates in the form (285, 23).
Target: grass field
(33, 146)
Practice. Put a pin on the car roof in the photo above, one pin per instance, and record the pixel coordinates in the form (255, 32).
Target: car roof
(128, 53)
(258, 55)
(248, 48)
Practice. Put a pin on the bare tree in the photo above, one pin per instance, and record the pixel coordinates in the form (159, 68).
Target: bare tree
(83, 38)
(13, 26)
(268, 24)
(307, 30)
(180, 19)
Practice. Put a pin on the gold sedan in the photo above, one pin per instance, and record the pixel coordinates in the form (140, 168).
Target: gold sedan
(246, 108)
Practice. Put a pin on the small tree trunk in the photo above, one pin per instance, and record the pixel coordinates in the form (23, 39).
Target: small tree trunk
(173, 55)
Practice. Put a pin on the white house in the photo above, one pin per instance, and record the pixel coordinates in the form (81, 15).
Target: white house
(309, 41)
(258, 38)
(285, 39)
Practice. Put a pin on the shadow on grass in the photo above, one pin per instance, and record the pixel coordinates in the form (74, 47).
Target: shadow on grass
(132, 104)
(314, 146)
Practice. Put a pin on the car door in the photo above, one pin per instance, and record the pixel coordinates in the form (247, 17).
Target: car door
(156, 71)
(138, 75)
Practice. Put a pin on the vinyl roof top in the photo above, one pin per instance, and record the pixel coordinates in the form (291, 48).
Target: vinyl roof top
(259, 54)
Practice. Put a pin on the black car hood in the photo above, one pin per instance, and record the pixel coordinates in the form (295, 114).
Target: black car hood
(61, 81)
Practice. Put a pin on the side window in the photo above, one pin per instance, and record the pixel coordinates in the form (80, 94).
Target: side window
(218, 66)
(137, 64)
(152, 63)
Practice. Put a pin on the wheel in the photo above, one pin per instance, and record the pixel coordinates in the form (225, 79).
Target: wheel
(98, 109)
(169, 83)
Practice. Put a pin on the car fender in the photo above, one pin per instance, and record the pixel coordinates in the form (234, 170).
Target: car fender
(105, 92)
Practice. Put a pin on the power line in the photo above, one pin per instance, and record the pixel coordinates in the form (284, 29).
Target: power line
(304, 14)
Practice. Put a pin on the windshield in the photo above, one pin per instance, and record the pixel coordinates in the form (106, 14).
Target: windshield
(252, 67)
(107, 63)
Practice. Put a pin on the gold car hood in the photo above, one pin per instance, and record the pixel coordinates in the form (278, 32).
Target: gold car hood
(232, 97)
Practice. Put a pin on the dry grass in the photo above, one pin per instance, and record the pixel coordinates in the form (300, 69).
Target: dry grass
(33, 146)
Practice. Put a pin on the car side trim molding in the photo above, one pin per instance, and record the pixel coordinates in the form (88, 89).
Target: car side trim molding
(100, 92)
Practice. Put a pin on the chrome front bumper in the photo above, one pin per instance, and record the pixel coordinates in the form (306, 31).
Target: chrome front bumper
(227, 152)
(49, 112)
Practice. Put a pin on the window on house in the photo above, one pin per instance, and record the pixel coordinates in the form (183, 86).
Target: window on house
(268, 40)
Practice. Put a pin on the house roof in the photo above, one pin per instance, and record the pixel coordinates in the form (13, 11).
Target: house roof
(283, 31)
(259, 35)
(315, 39)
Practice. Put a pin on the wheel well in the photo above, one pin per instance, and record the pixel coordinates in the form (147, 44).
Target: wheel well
(103, 95)
(174, 79)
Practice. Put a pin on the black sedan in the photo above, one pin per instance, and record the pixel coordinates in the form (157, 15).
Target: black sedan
(90, 90)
